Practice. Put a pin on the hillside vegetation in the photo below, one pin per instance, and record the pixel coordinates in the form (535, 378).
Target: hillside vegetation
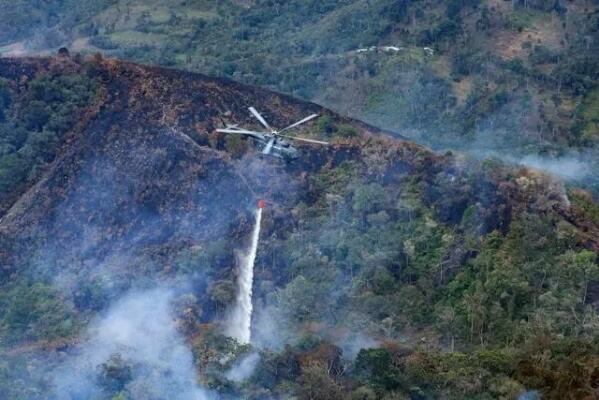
(384, 270)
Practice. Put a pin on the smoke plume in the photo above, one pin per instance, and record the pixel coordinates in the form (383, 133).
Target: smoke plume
(243, 369)
(134, 349)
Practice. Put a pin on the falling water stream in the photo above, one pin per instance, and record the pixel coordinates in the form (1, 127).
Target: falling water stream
(241, 317)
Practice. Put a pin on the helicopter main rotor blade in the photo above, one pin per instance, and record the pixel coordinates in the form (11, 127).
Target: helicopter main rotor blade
(268, 146)
(260, 118)
(252, 134)
(242, 131)
(304, 139)
(311, 117)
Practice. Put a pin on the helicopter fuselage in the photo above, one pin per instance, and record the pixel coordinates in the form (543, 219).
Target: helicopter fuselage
(281, 147)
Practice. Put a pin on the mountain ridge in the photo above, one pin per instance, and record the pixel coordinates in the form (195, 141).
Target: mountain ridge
(515, 78)
(371, 234)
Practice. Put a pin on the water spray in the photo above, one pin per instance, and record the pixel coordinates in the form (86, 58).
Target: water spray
(240, 322)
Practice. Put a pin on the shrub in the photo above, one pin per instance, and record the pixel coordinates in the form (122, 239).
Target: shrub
(33, 312)
(325, 125)
(347, 131)
(36, 115)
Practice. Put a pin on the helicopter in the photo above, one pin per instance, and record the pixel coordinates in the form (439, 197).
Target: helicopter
(273, 141)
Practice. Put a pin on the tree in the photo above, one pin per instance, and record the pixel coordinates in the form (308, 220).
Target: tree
(5, 99)
(369, 198)
(363, 393)
(446, 323)
(235, 145)
(316, 384)
(222, 293)
(114, 374)
(36, 115)
(302, 300)
(380, 369)
(581, 267)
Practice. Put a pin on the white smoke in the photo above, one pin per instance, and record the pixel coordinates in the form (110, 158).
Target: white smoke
(243, 369)
(564, 167)
(140, 331)
(272, 329)
(239, 326)
(570, 167)
(352, 343)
